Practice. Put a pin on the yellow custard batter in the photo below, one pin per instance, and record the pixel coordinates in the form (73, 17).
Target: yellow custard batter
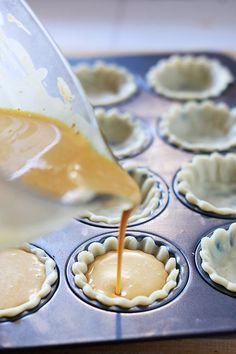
(49, 155)
(21, 275)
(142, 274)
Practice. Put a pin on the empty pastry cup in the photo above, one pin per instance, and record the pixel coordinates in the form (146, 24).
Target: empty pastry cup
(170, 259)
(200, 126)
(218, 254)
(28, 277)
(209, 182)
(154, 193)
(105, 84)
(189, 77)
(126, 135)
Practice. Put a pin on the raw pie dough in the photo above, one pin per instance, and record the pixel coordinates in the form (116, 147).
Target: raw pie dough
(111, 211)
(219, 257)
(105, 84)
(209, 182)
(200, 126)
(126, 136)
(189, 77)
(43, 266)
(146, 245)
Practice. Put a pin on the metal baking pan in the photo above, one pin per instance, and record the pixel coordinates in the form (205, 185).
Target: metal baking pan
(197, 308)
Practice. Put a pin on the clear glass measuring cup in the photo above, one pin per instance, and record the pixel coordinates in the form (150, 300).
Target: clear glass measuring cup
(35, 77)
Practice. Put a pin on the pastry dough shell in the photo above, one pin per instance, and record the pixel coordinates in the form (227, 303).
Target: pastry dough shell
(151, 194)
(218, 254)
(50, 279)
(209, 183)
(105, 84)
(127, 136)
(200, 126)
(147, 245)
(189, 77)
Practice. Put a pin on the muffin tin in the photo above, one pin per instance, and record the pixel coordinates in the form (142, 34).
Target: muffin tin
(192, 308)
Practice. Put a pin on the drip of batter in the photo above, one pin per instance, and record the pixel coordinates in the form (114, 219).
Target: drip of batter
(142, 274)
(21, 275)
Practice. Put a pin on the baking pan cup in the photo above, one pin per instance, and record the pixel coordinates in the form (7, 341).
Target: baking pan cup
(208, 183)
(189, 77)
(126, 135)
(150, 243)
(146, 246)
(36, 300)
(200, 127)
(106, 84)
(155, 196)
(215, 258)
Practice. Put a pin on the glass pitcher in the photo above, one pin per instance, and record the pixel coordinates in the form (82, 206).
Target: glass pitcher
(35, 77)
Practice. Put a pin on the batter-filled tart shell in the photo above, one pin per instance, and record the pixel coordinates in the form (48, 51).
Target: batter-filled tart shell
(50, 278)
(147, 245)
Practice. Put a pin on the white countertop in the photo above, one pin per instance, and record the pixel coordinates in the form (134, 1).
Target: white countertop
(139, 25)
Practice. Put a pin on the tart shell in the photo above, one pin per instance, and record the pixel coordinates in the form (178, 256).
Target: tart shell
(126, 135)
(218, 257)
(189, 77)
(84, 258)
(209, 183)
(151, 192)
(203, 126)
(106, 84)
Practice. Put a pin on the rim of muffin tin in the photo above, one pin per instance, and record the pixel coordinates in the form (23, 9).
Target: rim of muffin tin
(181, 264)
(165, 139)
(195, 208)
(43, 301)
(164, 199)
(149, 132)
(198, 262)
